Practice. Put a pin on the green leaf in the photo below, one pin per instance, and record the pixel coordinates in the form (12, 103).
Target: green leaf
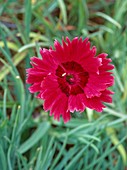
(27, 19)
(108, 18)
(63, 10)
(36, 136)
(3, 161)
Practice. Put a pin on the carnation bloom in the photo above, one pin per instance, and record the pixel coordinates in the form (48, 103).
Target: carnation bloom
(71, 77)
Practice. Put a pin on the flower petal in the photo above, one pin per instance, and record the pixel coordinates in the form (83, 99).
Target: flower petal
(96, 102)
(75, 103)
(34, 78)
(97, 83)
(35, 88)
(53, 96)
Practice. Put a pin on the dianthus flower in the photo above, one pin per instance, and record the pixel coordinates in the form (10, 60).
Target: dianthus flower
(71, 77)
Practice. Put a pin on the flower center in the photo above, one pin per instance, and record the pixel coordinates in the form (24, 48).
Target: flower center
(71, 78)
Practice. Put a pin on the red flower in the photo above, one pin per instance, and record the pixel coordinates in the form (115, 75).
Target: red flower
(71, 78)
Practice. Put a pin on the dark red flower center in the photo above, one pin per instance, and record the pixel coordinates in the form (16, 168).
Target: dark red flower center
(71, 78)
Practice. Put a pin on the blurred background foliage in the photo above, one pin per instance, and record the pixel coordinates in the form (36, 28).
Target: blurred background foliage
(29, 138)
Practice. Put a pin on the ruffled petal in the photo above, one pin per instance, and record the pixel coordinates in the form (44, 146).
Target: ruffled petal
(98, 83)
(59, 107)
(34, 78)
(106, 66)
(35, 88)
(91, 65)
(95, 103)
(52, 97)
(75, 103)
(49, 64)
(70, 50)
